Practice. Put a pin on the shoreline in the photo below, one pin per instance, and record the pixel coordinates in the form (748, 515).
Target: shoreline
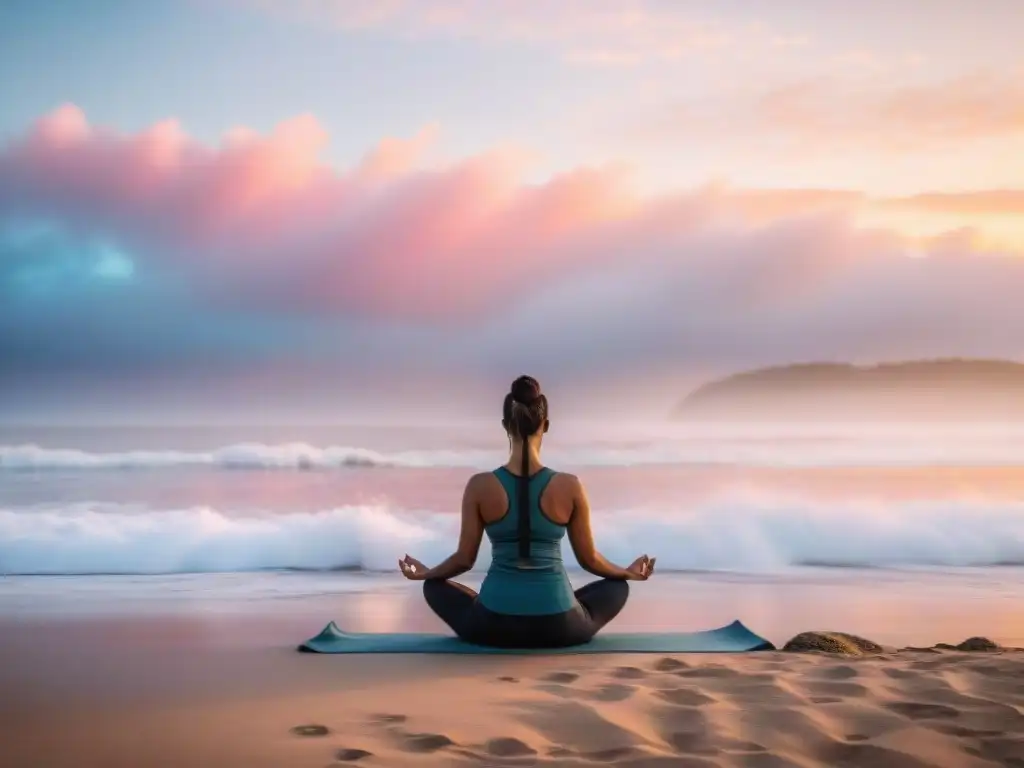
(895, 608)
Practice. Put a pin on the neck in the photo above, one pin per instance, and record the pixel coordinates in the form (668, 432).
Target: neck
(515, 460)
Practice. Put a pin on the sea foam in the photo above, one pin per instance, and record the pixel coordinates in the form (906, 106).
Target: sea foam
(733, 534)
(836, 451)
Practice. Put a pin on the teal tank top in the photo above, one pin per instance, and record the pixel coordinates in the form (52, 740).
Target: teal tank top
(541, 589)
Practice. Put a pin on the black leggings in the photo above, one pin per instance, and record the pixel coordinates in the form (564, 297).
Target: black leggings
(598, 603)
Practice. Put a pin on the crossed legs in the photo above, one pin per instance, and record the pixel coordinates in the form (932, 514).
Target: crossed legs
(603, 600)
(451, 601)
(455, 604)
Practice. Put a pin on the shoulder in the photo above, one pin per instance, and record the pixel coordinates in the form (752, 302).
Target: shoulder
(567, 481)
(481, 481)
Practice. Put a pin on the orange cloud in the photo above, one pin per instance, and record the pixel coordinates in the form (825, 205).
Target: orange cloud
(1009, 202)
(767, 204)
(832, 112)
(394, 157)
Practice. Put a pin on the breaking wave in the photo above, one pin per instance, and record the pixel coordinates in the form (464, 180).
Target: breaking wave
(768, 453)
(239, 456)
(741, 535)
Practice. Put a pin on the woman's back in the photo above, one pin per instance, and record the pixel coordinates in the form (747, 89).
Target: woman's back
(536, 586)
(526, 510)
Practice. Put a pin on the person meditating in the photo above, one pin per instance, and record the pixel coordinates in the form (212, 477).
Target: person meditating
(526, 600)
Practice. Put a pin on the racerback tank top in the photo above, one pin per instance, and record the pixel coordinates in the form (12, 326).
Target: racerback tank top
(543, 587)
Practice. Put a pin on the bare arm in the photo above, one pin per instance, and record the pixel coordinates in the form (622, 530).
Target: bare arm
(582, 540)
(469, 537)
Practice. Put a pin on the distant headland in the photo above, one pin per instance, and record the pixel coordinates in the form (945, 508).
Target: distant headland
(921, 390)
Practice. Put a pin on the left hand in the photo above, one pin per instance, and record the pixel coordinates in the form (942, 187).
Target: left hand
(412, 568)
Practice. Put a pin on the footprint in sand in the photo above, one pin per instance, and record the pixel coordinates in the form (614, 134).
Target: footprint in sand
(692, 743)
(684, 697)
(915, 710)
(861, 753)
(424, 743)
(561, 677)
(898, 674)
(506, 746)
(612, 692)
(843, 672)
(561, 691)
(1003, 750)
(987, 670)
(708, 672)
(508, 679)
(836, 688)
(574, 725)
(760, 678)
(628, 673)
(609, 692)
(668, 664)
(762, 760)
(952, 729)
(611, 755)
(929, 666)
(311, 730)
(351, 755)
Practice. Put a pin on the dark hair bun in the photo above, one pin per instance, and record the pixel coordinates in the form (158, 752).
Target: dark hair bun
(525, 390)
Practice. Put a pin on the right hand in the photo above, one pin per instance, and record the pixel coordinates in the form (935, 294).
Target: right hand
(641, 568)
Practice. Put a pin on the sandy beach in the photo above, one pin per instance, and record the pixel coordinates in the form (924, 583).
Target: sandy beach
(167, 692)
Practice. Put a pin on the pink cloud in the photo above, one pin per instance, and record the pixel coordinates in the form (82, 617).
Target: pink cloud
(62, 127)
(385, 235)
(263, 221)
(162, 179)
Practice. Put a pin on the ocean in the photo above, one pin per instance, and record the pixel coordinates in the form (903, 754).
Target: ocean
(907, 535)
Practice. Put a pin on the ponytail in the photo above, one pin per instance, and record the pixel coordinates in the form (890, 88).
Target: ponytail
(524, 527)
(525, 412)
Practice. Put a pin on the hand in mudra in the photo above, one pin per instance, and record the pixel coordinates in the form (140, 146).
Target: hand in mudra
(642, 568)
(412, 568)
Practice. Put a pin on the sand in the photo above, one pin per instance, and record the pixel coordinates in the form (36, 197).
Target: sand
(164, 693)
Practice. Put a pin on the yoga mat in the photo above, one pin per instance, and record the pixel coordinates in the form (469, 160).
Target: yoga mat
(734, 638)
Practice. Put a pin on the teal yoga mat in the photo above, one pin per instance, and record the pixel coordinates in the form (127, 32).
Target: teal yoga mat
(734, 638)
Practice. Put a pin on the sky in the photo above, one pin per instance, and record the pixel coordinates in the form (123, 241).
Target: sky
(328, 208)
